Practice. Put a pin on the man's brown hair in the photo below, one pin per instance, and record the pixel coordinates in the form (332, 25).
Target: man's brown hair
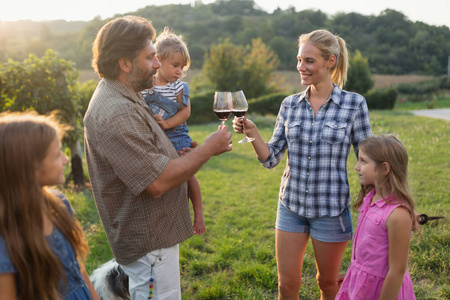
(123, 37)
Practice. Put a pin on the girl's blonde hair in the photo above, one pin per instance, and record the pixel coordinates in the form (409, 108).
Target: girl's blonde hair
(168, 43)
(330, 44)
(388, 148)
(24, 143)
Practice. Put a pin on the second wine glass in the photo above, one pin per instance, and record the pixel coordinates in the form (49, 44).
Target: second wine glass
(240, 107)
(223, 105)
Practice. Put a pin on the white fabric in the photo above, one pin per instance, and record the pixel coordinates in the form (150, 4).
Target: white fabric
(163, 266)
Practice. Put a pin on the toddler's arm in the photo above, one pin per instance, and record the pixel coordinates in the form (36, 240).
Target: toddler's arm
(180, 117)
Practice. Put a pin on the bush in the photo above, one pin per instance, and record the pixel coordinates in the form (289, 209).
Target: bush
(85, 91)
(268, 104)
(202, 108)
(425, 87)
(381, 99)
(359, 78)
(228, 67)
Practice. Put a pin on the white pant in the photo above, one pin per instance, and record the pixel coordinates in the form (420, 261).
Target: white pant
(163, 266)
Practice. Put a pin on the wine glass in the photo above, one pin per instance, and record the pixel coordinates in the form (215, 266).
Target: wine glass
(223, 105)
(240, 107)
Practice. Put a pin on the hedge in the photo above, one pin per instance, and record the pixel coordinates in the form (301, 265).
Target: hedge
(425, 87)
(202, 108)
(202, 104)
(267, 105)
(381, 99)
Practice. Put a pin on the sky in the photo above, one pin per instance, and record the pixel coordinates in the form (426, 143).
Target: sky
(432, 12)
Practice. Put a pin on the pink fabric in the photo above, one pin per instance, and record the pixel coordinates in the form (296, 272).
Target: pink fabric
(370, 249)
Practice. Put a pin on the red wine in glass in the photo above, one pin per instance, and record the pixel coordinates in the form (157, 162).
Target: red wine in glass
(223, 114)
(223, 105)
(239, 113)
(240, 107)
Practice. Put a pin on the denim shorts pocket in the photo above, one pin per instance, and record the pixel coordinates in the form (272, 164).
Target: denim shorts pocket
(334, 132)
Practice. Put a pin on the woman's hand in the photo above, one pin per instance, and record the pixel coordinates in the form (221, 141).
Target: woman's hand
(239, 123)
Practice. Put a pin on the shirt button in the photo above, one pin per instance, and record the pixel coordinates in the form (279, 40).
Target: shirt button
(307, 174)
(335, 126)
(307, 191)
(310, 142)
(312, 124)
(309, 157)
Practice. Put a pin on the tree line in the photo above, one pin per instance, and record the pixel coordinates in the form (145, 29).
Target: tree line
(391, 42)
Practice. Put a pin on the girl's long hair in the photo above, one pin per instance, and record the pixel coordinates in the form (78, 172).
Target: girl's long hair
(24, 142)
(328, 45)
(388, 148)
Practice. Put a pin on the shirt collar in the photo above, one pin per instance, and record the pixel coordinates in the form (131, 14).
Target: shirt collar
(380, 203)
(124, 89)
(335, 94)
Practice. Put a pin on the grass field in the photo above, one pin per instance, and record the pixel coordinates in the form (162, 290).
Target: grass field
(235, 259)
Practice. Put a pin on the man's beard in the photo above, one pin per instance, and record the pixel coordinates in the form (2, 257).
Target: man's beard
(139, 81)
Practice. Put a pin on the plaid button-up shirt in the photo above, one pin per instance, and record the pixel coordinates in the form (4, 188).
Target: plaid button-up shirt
(126, 150)
(315, 182)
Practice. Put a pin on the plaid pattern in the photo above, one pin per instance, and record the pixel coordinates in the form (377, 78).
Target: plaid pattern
(315, 182)
(126, 150)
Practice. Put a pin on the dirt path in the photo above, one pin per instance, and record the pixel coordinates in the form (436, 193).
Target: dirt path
(442, 113)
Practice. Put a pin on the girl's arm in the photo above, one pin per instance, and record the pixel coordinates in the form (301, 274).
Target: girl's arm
(89, 284)
(8, 287)
(399, 234)
(179, 118)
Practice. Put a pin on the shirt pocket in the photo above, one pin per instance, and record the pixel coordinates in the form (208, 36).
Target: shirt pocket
(293, 131)
(374, 226)
(334, 132)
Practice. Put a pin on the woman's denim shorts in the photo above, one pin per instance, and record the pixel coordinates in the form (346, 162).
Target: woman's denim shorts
(324, 229)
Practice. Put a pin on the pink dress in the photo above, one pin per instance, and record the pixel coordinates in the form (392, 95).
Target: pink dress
(370, 249)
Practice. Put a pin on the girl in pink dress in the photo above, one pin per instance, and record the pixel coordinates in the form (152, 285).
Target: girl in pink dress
(379, 264)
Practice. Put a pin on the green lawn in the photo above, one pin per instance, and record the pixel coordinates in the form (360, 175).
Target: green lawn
(235, 259)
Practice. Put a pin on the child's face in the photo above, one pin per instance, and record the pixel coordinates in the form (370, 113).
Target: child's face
(367, 169)
(51, 170)
(171, 68)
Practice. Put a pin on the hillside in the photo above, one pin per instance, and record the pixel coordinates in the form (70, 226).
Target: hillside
(392, 43)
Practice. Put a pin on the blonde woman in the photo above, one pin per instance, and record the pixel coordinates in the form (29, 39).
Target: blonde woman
(317, 128)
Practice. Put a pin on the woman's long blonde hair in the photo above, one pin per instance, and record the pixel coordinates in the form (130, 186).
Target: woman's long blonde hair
(24, 143)
(330, 44)
(388, 148)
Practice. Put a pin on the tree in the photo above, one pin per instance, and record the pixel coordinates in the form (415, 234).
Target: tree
(45, 85)
(229, 67)
(359, 78)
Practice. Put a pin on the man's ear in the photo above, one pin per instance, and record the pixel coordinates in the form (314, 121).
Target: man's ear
(125, 65)
(386, 168)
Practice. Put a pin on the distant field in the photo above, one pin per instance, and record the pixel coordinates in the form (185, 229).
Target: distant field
(291, 79)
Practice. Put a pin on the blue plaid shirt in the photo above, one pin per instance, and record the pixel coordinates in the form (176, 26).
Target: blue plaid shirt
(315, 182)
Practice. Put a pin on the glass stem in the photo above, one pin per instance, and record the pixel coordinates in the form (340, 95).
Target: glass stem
(243, 126)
